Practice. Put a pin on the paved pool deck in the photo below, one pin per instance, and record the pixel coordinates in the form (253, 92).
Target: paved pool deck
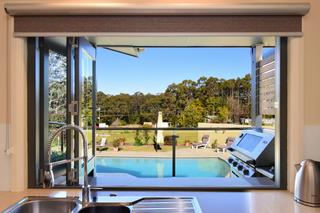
(184, 152)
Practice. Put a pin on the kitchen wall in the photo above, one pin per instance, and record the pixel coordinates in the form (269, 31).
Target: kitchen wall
(303, 109)
(13, 137)
(4, 159)
(312, 83)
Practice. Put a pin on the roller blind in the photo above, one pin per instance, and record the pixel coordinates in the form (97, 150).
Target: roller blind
(56, 19)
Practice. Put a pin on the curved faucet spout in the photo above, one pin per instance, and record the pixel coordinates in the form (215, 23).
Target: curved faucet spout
(48, 177)
(298, 166)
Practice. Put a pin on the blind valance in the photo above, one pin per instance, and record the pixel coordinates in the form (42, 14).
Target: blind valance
(66, 19)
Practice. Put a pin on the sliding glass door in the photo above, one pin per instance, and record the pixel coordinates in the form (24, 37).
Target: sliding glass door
(55, 79)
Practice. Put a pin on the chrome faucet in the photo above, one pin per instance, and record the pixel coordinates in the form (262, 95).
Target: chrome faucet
(48, 174)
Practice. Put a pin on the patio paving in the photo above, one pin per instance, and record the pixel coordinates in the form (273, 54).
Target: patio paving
(184, 152)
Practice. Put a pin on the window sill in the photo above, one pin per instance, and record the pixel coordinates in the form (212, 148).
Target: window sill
(130, 182)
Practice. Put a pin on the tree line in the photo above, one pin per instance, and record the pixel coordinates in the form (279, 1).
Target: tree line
(183, 104)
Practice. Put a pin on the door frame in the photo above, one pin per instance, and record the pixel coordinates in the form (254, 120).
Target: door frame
(38, 119)
(33, 91)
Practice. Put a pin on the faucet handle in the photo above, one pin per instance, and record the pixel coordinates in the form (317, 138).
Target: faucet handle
(48, 180)
(72, 176)
(86, 194)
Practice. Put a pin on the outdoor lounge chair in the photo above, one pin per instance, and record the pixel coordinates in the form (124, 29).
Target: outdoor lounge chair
(204, 143)
(102, 144)
(229, 142)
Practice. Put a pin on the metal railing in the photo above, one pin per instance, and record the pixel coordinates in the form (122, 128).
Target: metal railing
(174, 128)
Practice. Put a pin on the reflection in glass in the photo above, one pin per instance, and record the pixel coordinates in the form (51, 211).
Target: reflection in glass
(86, 98)
(57, 81)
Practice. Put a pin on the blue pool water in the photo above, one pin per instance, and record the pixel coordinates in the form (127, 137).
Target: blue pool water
(162, 167)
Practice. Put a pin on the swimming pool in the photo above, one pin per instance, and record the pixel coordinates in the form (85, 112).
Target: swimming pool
(162, 167)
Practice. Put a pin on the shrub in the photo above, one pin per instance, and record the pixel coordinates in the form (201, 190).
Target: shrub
(214, 145)
(102, 148)
(116, 143)
(57, 156)
(122, 139)
(167, 140)
(187, 142)
(137, 139)
(146, 136)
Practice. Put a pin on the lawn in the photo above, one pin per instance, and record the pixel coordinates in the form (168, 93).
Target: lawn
(193, 136)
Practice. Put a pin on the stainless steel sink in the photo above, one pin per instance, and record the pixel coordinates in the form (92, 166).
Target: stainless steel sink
(105, 209)
(167, 205)
(106, 204)
(45, 204)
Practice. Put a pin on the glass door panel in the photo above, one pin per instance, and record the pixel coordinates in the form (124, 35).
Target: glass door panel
(55, 55)
(57, 102)
(85, 84)
(68, 83)
(86, 98)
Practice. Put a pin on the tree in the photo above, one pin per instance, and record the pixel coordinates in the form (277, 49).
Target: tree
(86, 101)
(213, 103)
(57, 79)
(234, 108)
(222, 114)
(192, 114)
(220, 97)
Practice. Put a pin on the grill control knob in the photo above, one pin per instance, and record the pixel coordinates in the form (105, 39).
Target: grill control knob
(235, 163)
(230, 160)
(246, 172)
(240, 167)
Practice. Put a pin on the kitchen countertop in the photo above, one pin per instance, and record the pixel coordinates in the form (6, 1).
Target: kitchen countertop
(120, 180)
(260, 201)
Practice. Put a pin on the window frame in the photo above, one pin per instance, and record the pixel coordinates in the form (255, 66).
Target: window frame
(35, 115)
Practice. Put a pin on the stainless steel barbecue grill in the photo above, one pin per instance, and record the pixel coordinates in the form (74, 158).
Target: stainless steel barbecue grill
(252, 154)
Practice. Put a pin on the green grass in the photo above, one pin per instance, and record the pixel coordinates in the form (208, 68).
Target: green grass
(193, 136)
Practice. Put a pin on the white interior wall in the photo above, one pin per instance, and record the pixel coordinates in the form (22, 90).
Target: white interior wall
(311, 47)
(295, 107)
(303, 108)
(17, 108)
(4, 158)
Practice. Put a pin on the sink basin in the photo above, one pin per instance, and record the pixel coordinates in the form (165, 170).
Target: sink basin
(39, 205)
(105, 209)
(106, 205)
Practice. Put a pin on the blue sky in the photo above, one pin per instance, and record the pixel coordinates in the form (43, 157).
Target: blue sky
(156, 68)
